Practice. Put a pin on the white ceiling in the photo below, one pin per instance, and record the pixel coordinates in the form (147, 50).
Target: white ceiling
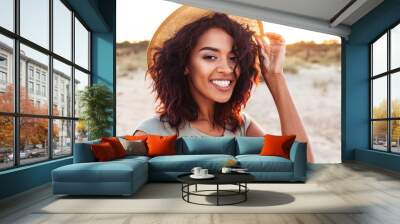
(322, 9)
(315, 15)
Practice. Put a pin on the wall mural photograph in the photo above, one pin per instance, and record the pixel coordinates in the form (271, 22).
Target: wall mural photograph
(213, 74)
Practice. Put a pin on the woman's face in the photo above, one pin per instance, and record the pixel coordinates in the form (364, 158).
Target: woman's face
(210, 68)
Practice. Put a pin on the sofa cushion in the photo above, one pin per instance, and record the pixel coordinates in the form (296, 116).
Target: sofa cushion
(134, 147)
(257, 163)
(206, 145)
(83, 153)
(249, 145)
(111, 171)
(132, 158)
(161, 145)
(116, 145)
(275, 145)
(103, 152)
(137, 137)
(185, 163)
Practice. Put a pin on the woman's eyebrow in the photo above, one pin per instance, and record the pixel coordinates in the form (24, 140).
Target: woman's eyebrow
(211, 49)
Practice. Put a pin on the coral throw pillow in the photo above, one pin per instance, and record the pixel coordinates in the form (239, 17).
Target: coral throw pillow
(116, 145)
(103, 151)
(277, 145)
(161, 145)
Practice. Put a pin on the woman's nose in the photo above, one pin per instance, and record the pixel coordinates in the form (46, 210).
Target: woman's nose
(225, 67)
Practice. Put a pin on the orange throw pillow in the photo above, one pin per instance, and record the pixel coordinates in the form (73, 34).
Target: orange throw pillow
(103, 151)
(116, 145)
(277, 145)
(161, 145)
(135, 137)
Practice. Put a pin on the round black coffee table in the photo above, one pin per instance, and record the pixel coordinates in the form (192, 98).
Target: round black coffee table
(238, 179)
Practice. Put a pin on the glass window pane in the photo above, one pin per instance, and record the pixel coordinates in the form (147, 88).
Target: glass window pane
(81, 131)
(33, 139)
(395, 94)
(379, 55)
(81, 45)
(62, 89)
(34, 97)
(62, 138)
(6, 142)
(34, 19)
(6, 74)
(395, 136)
(379, 98)
(81, 81)
(7, 14)
(379, 135)
(62, 29)
(395, 47)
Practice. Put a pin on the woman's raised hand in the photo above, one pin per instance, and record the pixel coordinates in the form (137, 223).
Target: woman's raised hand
(272, 58)
(272, 54)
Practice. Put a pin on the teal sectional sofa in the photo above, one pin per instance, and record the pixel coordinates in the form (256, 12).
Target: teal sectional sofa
(126, 175)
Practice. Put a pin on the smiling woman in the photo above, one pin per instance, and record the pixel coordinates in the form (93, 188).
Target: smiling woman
(204, 65)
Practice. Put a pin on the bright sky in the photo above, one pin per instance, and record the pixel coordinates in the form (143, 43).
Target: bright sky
(138, 21)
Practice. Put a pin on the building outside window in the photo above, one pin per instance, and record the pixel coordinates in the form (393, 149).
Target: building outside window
(55, 98)
(30, 87)
(37, 75)
(44, 77)
(3, 78)
(3, 81)
(3, 61)
(37, 89)
(30, 72)
(43, 90)
(3, 72)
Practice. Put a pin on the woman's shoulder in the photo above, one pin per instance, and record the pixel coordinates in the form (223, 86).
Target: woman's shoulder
(154, 125)
(245, 125)
(246, 119)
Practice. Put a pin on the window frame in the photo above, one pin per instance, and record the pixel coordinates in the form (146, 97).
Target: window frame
(16, 115)
(388, 74)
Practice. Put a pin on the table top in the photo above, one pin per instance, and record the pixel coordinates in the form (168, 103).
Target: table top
(220, 178)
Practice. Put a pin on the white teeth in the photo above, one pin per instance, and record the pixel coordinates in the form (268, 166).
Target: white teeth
(221, 83)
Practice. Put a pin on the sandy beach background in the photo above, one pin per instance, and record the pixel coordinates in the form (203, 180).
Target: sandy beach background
(315, 89)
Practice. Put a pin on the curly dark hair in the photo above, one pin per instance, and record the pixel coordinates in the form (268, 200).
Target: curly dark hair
(171, 86)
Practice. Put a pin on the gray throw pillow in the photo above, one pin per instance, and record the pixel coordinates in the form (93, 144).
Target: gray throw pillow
(134, 147)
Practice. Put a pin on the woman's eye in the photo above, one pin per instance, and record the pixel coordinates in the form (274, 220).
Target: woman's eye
(209, 57)
(233, 58)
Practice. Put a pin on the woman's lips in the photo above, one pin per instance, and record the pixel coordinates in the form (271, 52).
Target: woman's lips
(222, 85)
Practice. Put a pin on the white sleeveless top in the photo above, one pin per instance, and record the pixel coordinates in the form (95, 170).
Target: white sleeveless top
(156, 127)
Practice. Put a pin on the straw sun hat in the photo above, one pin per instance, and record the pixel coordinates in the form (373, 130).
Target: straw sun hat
(185, 15)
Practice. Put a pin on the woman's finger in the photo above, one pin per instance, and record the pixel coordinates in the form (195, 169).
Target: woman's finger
(264, 60)
(259, 42)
